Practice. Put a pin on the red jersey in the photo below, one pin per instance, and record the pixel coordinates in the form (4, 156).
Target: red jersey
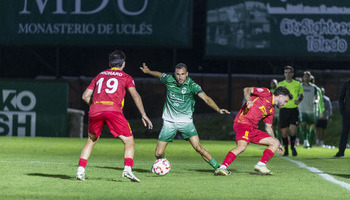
(262, 108)
(109, 90)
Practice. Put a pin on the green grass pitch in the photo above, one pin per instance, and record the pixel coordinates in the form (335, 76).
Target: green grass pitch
(44, 168)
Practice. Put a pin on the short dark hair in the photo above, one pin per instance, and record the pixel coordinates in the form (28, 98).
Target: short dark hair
(117, 58)
(180, 66)
(289, 67)
(283, 91)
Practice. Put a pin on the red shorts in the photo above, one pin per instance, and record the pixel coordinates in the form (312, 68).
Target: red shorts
(249, 134)
(116, 122)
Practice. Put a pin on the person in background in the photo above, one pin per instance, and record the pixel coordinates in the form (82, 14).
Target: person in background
(275, 124)
(308, 110)
(323, 119)
(344, 107)
(289, 113)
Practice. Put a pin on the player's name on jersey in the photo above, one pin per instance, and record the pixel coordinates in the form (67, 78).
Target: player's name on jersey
(112, 73)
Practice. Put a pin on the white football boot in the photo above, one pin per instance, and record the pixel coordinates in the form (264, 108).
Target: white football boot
(80, 174)
(128, 174)
(262, 169)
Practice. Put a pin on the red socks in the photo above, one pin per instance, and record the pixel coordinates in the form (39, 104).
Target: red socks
(230, 157)
(82, 162)
(267, 155)
(128, 162)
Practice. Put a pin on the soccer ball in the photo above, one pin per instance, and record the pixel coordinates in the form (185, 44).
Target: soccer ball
(161, 167)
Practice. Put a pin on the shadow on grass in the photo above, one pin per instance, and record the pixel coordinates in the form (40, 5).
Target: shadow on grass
(65, 177)
(340, 175)
(60, 176)
(121, 169)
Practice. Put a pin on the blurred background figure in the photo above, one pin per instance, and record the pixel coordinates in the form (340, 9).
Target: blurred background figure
(309, 109)
(275, 124)
(344, 107)
(323, 119)
(290, 112)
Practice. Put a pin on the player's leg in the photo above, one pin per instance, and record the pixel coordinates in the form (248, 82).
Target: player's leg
(230, 157)
(129, 152)
(160, 149)
(312, 134)
(119, 127)
(344, 135)
(263, 138)
(166, 135)
(84, 156)
(94, 128)
(194, 140)
(293, 127)
(284, 125)
(189, 132)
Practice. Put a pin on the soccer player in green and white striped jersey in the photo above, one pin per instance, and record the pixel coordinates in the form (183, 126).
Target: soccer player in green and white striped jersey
(178, 110)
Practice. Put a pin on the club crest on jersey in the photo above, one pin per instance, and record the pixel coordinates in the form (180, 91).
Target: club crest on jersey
(183, 91)
(260, 89)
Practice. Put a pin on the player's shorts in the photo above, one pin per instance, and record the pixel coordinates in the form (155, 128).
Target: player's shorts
(322, 123)
(249, 134)
(288, 116)
(169, 130)
(116, 122)
(309, 118)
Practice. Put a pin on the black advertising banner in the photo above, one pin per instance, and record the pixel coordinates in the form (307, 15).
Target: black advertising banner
(33, 108)
(99, 22)
(282, 28)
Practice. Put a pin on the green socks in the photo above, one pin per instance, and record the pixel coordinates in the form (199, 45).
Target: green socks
(214, 163)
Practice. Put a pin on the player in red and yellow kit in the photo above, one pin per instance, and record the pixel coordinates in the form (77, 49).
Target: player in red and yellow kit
(259, 106)
(105, 95)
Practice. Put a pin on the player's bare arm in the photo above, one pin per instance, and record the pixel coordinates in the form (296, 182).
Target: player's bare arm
(210, 102)
(247, 94)
(87, 96)
(138, 101)
(269, 130)
(146, 70)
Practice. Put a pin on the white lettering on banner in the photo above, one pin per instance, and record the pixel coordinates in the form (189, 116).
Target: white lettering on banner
(15, 116)
(78, 8)
(41, 4)
(17, 123)
(134, 29)
(84, 29)
(122, 8)
(315, 31)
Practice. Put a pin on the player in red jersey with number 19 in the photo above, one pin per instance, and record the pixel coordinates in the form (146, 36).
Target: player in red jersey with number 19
(105, 95)
(259, 106)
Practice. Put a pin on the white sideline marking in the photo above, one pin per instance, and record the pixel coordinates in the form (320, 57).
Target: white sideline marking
(321, 173)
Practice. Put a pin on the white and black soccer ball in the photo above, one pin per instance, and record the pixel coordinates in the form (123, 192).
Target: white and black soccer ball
(161, 167)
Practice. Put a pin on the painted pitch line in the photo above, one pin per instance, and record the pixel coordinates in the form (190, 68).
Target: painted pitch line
(321, 173)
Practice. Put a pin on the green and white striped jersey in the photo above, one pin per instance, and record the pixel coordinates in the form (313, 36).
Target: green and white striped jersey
(179, 104)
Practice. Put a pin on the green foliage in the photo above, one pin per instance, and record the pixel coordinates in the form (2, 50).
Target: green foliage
(44, 168)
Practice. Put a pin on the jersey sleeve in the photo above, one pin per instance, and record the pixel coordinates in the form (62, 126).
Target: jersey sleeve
(320, 101)
(196, 89)
(268, 119)
(130, 82)
(92, 84)
(261, 92)
(165, 78)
